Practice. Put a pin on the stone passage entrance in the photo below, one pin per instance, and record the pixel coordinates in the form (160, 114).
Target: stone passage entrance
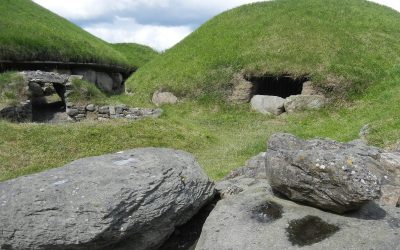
(48, 104)
(282, 86)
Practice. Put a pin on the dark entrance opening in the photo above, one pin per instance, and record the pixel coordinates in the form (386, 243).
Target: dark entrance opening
(49, 106)
(282, 86)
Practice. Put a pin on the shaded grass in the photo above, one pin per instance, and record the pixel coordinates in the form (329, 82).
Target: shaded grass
(86, 92)
(12, 89)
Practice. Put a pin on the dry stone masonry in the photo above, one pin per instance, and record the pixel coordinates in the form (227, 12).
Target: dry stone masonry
(42, 84)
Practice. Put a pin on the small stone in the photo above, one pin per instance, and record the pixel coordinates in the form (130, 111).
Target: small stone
(72, 112)
(161, 98)
(91, 107)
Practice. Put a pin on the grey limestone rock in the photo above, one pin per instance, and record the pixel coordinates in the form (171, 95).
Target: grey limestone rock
(104, 82)
(268, 104)
(45, 77)
(254, 168)
(128, 200)
(296, 103)
(326, 174)
(160, 98)
(256, 219)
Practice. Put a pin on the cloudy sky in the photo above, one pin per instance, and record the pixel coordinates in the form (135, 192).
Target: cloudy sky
(157, 23)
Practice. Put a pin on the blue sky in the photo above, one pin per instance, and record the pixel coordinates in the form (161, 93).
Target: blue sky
(157, 23)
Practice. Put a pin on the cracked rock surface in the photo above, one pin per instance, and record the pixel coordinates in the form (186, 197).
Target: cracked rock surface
(333, 176)
(128, 200)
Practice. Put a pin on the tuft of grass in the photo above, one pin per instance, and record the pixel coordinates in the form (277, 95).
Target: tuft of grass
(85, 92)
(12, 89)
(348, 44)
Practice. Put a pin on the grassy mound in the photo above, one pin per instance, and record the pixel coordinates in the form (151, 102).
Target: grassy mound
(136, 54)
(349, 43)
(32, 33)
(346, 44)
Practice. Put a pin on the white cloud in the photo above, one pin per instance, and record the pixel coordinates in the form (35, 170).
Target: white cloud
(394, 4)
(157, 23)
(128, 30)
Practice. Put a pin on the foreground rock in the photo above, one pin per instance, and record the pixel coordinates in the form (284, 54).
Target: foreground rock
(255, 219)
(268, 104)
(323, 173)
(128, 200)
(297, 103)
(161, 98)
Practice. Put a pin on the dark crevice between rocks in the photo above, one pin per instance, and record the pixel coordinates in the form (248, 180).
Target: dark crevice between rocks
(51, 106)
(273, 85)
(185, 237)
(309, 230)
(267, 212)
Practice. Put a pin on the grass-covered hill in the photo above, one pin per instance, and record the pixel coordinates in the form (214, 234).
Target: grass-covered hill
(136, 54)
(29, 32)
(346, 43)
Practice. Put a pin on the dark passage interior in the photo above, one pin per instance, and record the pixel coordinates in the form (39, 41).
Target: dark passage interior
(282, 86)
(49, 107)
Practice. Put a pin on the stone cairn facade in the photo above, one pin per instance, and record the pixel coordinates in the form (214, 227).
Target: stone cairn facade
(42, 84)
(81, 112)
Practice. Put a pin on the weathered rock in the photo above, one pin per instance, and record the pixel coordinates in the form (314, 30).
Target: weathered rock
(104, 82)
(87, 74)
(255, 219)
(128, 200)
(254, 168)
(160, 98)
(296, 103)
(390, 162)
(44, 77)
(268, 104)
(72, 111)
(35, 89)
(242, 90)
(322, 173)
(91, 107)
(308, 89)
(75, 77)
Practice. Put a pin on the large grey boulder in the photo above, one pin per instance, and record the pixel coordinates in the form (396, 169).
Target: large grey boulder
(256, 219)
(297, 103)
(326, 174)
(128, 200)
(104, 82)
(44, 77)
(268, 104)
(87, 74)
(160, 98)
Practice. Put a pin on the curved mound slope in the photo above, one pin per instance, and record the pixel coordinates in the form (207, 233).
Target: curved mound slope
(29, 32)
(335, 42)
(136, 54)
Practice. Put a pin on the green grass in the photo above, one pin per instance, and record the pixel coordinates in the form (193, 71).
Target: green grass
(222, 136)
(351, 43)
(29, 32)
(136, 54)
(86, 92)
(12, 89)
(345, 43)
